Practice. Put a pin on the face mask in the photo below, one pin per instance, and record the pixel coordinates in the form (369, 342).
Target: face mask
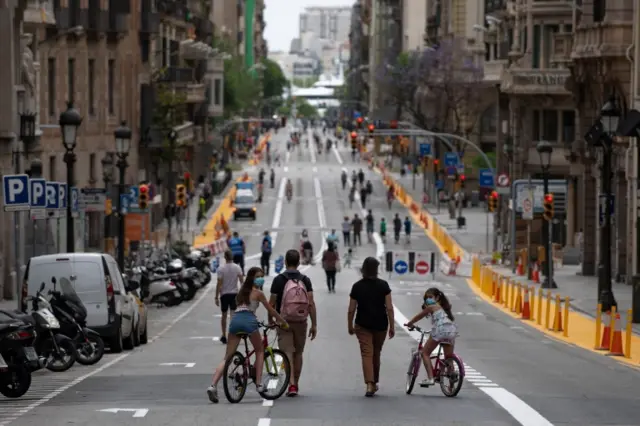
(429, 301)
(259, 282)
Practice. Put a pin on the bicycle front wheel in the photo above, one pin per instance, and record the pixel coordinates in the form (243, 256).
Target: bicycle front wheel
(275, 374)
(412, 373)
(451, 376)
(235, 378)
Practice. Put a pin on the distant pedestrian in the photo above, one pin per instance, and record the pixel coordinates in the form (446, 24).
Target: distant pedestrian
(346, 231)
(265, 258)
(331, 265)
(371, 306)
(236, 245)
(229, 278)
(356, 225)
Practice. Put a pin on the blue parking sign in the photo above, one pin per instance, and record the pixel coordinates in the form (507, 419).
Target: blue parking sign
(451, 159)
(16, 193)
(62, 195)
(75, 201)
(425, 149)
(53, 201)
(37, 188)
(486, 178)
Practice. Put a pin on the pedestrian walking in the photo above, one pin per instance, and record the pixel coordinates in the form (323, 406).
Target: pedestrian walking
(265, 258)
(346, 231)
(331, 266)
(363, 197)
(292, 297)
(230, 276)
(356, 225)
(370, 318)
(236, 245)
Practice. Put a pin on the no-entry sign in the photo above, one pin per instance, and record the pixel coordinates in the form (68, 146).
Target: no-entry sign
(422, 267)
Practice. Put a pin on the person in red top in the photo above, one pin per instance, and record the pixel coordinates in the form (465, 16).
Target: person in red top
(331, 264)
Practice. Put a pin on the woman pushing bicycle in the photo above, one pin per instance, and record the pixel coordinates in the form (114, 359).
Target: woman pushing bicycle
(443, 328)
(245, 322)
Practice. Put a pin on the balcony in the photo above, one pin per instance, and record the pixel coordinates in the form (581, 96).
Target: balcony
(493, 70)
(173, 8)
(552, 7)
(149, 22)
(117, 24)
(492, 6)
(196, 93)
(177, 75)
(561, 50)
(535, 81)
(98, 20)
(604, 40)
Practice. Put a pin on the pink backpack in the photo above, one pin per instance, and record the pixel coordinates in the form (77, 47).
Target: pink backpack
(295, 301)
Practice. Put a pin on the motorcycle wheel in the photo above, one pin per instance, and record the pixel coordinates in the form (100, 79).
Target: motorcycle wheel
(207, 277)
(89, 352)
(59, 362)
(16, 382)
(172, 300)
(191, 289)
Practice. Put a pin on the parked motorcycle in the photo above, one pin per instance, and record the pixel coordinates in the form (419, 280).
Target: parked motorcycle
(154, 288)
(18, 357)
(200, 260)
(72, 315)
(58, 349)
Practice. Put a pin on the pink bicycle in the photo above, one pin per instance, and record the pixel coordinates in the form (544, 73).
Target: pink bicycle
(448, 372)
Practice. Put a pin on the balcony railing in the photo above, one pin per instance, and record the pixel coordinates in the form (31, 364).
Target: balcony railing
(117, 23)
(177, 75)
(562, 46)
(149, 22)
(493, 70)
(535, 81)
(196, 93)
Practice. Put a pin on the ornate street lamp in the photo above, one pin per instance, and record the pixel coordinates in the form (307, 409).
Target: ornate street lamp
(70, 120)
(122, 135)
(545, 150)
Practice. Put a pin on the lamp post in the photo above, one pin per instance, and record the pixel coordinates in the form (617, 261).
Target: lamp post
(69, 122)
(173, 138)
(609, 117)
(123, 141)
(502, 223)
(545, 150)
(107, 177)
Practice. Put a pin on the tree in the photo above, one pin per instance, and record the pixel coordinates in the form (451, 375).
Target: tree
(169, 111)
(274, 82)
(303, 108)
(439, 88)
(241, 89)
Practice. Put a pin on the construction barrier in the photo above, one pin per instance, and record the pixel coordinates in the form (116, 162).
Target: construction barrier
(447, 265)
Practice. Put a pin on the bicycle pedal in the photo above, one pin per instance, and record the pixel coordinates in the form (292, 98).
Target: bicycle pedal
(422, 385)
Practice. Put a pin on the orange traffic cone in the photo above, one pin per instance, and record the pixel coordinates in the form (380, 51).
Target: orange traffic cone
(526, 307)
(536, 273)
(616, 339)
(520, 270)
(606, 334)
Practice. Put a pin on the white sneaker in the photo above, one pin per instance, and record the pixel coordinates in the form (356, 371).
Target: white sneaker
(212, 392)
(427, 382)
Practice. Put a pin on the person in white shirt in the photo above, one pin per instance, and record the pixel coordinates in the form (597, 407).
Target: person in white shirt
(229, 278)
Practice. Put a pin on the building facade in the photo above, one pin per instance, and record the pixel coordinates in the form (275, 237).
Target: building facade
(329, 23)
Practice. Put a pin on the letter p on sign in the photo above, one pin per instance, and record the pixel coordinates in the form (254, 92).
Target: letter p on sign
(16, 192)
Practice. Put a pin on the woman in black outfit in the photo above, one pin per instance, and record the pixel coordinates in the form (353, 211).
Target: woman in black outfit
(331, 264)
(370, 302)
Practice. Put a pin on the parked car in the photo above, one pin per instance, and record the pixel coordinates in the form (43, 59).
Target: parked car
(111, 310)
(141, 315)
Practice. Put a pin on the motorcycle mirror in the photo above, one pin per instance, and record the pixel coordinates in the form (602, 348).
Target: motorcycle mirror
(42, 286)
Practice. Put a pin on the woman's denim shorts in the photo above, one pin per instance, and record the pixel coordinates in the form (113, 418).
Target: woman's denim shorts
(243, 322)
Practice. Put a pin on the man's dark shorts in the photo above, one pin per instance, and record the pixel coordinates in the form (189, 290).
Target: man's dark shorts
(228, 301)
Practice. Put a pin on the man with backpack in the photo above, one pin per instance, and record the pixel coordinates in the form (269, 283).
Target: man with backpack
(292, 297)
(266, 253)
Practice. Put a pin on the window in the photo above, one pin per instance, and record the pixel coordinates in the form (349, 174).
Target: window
(92, 167)
(71, 79)
(111, 76)
(52, 168)
(303, 23)
(599, 10)
(550, 125)
(51, 86)
(92, 87)
(568, 126)
(217, 91)
(536, 47)
(547, 44)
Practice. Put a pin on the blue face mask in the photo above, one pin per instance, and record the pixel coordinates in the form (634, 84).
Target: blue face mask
(429, 301)
(259, 282)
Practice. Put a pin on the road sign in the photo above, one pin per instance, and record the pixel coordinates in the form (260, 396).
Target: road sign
(16, 193)
(53, 202)
(134, 194)
(37, 189)
(124, 203)
(215, 264)
(425, 147)
(521, 189)
(502, 184)
(439, 184)
(400, 267)
(75, 201)
(451, 159)
(451, 171)
(62, 199)
(422, 267)
(486, 178)
(93, 199)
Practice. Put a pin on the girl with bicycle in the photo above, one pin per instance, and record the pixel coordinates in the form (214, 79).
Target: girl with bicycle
(244, 321)
(443, 328)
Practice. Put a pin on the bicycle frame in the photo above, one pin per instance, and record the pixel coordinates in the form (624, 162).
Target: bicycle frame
(267, 348)
(439, 360)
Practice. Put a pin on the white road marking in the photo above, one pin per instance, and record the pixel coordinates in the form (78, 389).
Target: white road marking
(264, 422)
(267, 403)
(312, 146)
(337, 154)
(321, 220)
(114, 361)
(286, 169)
(277, 213)
(315, 170)
(287, 157)
(137, 412)
(213, 338)
(273, 383)
(179, 364)
(517, 408)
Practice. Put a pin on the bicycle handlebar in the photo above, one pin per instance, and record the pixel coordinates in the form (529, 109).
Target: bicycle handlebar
(418, 329)
(269, 326)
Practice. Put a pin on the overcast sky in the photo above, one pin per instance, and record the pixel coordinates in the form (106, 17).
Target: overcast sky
(281, 17)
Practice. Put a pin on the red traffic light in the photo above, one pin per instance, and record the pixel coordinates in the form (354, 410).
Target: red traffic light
(354, 135)
(462, 178)
(359, 120)
(371, 127)
(393, 124)
(548, 198)
(494, 194)
(436, 161)
(143, 189)
(187, 175)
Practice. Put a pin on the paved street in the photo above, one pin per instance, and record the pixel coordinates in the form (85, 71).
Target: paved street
(515, 375)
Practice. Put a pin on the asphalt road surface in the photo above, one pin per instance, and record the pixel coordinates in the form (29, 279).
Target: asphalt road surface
(515, 375)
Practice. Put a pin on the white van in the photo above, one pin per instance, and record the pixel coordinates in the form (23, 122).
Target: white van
(99, 284)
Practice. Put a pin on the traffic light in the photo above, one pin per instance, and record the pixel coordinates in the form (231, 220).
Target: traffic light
(393, 124)
(359, 121)
(436, 162)
(354, 139)
(371, 129)
(181, 195)
(493, 201)
(462, 179)
(548, 207)
(143, 197)
(187, 179)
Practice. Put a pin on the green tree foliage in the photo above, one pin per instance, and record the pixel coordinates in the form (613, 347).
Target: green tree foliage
(304, 82)
(274, 82)
(240, 88)
(303, 108)
(170, 110)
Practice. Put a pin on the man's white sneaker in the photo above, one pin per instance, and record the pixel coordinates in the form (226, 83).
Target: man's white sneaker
(212, 392)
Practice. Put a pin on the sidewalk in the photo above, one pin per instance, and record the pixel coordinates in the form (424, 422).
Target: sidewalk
(580, 289)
